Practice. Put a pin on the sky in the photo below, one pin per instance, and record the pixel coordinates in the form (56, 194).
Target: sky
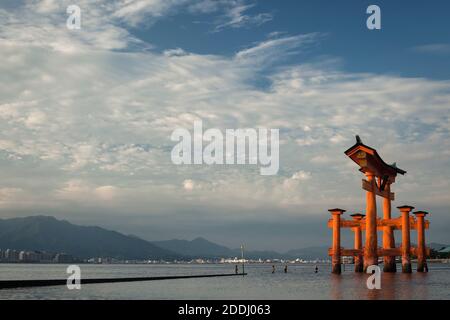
(86, 115)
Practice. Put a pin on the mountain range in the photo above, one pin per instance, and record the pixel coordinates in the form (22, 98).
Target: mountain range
(202, 248)
(46, 233)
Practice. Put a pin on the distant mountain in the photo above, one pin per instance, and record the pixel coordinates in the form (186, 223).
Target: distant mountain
(49, 234)
(197, 248)
(437, 246)
(202, 248)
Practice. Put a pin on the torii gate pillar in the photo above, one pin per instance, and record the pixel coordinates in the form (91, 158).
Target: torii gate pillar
(336, 246)
(370, 252)
(388, 234)
(358, 259)
(421, 250)
(406, 238)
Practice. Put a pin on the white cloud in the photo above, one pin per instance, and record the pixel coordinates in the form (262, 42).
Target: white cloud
(188, 185)
(135, 12)
(270, 50)
(95, 123)
(82, 191)
(10, 196)
(301, 175)
(338, 139)
(35, 118)
(235, 17)
(106, 192)
(434, 48)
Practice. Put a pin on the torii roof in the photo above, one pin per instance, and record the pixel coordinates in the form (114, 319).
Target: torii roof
(369, 160)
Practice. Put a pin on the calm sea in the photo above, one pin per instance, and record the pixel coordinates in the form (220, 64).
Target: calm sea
(299, 283)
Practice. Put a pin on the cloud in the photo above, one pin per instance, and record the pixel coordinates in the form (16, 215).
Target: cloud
(86, 120)
(81, 191)
(236, 17)
(268, 51)
(434, 48)
(9, 196)
(188, 185)
(135, 12)
(301, 175)
(43, 24)
(106, 192)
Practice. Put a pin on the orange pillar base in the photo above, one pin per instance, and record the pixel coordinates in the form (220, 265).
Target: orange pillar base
(359, 265)
(389, 264)
(336, 268)
(422, 266)
(406, 267)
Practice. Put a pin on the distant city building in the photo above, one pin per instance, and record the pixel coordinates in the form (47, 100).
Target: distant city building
(63, 258)
(47, 257)
(24, 256)
(11, 255)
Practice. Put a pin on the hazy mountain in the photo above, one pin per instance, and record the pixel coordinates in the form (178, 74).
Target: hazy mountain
(49, 234)
(197, 248)
(202, 248)
(437, 246)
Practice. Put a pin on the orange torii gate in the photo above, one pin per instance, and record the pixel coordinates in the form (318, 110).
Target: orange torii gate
(379, 176)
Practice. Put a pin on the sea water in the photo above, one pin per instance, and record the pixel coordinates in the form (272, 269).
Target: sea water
(300, 282)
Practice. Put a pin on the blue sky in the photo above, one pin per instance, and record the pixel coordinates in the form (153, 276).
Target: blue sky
(406, 26)
(86, 115)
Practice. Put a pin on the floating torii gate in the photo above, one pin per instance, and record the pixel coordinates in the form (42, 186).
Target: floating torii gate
(379, 177)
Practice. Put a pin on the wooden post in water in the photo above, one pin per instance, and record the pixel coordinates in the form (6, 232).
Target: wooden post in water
(371, 245)
(421, 249)
(388, 233)
(359, 267)
(406, 242)
(243, 261)
(336, 246)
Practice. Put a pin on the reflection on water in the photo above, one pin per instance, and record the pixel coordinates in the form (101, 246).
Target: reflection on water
(299, 283)
(394, 286)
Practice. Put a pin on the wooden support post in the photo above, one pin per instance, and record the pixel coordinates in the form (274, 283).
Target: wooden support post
(370, 252)
(336, 246)
(406, 242)
(359, 267)
(388, 234)
(421, 250)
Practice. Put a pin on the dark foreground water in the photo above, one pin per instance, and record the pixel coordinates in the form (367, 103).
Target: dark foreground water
(299, 283)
